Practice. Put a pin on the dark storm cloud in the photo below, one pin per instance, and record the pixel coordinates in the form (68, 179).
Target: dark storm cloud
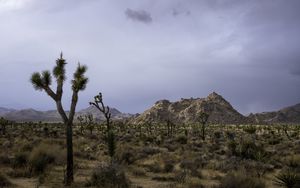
(138, 15)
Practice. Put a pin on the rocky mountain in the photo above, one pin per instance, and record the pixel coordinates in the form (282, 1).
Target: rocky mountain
(186, 111)
(53, 115)
(286, 115)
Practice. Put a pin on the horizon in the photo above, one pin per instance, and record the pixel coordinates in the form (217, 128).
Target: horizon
(77, 110)
(140, 52)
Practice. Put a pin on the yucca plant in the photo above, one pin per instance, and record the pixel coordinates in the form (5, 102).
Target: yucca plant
(288, 179)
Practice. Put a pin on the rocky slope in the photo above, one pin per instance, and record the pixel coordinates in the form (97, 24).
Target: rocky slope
(286, 115)
(186, 111)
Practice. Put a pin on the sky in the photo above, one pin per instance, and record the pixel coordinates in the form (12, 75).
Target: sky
(142, 51)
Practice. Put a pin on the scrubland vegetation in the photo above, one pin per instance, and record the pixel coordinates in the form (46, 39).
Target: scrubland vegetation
(151, 155)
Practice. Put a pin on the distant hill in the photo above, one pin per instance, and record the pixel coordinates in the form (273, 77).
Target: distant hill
(5, 110)
(186, 111)
(286, 115)
(53, 115)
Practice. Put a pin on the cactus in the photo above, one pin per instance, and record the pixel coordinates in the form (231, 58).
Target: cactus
(42, 81)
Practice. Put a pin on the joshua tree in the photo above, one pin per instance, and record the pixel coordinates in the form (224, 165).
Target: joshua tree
(80, 119)
(102, 108)
(202, 118)
(42, 81)
(3, 123)
(111, 143)
(89, 122)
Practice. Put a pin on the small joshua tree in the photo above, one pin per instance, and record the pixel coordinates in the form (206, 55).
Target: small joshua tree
(98, 103)
(111, 145)
(203, 118)
(80, 119)
(89, 121)
(3, 123)
(42, 81)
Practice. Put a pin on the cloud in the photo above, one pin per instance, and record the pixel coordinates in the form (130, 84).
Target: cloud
(139, 15)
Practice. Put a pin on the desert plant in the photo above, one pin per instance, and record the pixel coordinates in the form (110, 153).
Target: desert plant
(233, 180)
(109, 176)
(111, 144)
(81, 123)
(42, 81)
(203, 118)
(20, 159)
(98, 103)
(4, 181)
(41, 157)
(288, 179)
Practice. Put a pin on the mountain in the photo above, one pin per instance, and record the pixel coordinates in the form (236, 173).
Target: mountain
(53, 115)
(115, 114)
(286, 115)
(186, 111)
(5, 110)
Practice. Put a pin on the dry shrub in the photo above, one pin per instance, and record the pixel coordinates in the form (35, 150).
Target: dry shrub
(20, 159)
(137, 171)
(109, 176)
(194, 183)
(4, 181)
(42, 156)
(238, 180)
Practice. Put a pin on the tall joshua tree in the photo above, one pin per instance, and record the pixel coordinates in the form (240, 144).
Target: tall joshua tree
(42, 81)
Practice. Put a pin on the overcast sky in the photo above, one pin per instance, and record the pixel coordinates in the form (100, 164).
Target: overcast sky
(141, 51)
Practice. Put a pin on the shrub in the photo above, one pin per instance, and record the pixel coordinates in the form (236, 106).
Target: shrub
(138, 171)
(182, 139)
(4, 181)
(232, 145)
(20, 159)
(194, 183)
(232, 180)
(288, 179)
(249, 150)
(168, 165)
(4, 159)
(126, 154)
(109, 176)
(41, 157)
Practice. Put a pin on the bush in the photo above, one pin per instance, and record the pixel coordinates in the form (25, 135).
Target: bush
(288, 179)
(41, 157)
(168, 165)
(182, 139)
(109, 176)
(238, 180)
(249, 150)
(20, 159)
(4, 181)
(126, 154)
